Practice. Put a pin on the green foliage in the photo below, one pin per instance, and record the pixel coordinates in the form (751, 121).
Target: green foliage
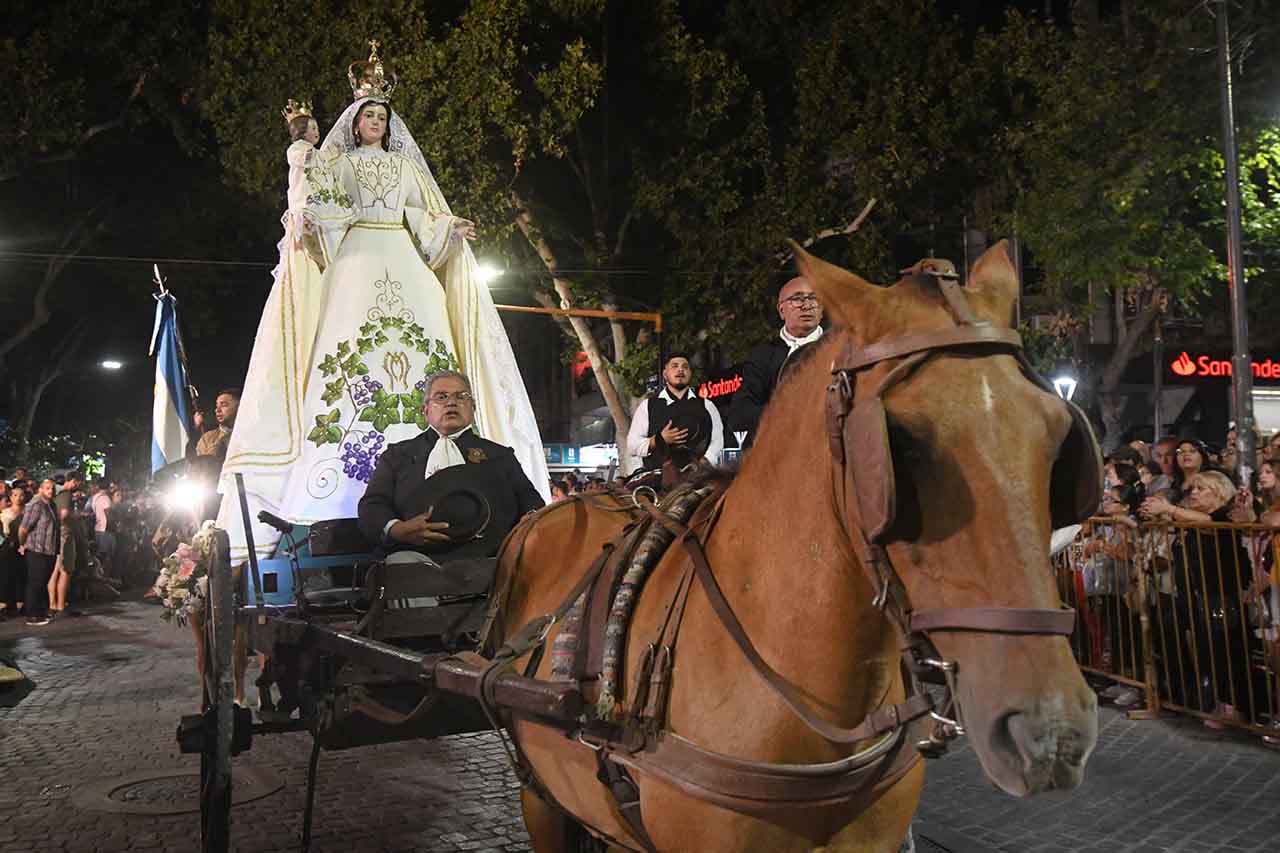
(633, 372)
(1112, 172)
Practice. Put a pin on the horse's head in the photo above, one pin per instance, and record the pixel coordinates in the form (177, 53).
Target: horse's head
(946, 454)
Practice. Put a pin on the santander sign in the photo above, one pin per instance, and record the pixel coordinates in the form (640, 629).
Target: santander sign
(1205, 366)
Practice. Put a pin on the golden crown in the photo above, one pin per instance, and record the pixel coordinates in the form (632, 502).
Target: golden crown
(293, 109)
(370, 79)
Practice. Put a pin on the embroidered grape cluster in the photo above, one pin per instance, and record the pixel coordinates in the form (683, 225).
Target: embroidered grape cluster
(360, 455)
(362, 391)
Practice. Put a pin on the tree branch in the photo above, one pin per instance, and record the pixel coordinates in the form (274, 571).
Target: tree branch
(73, 243)
(564, 289)
(1127, 340)
(621, 240)
(73, 151)
(785, 256)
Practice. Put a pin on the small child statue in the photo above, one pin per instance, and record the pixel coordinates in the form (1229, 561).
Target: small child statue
(305, 134)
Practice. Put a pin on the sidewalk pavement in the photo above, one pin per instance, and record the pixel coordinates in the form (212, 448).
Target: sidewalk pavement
(107, 690)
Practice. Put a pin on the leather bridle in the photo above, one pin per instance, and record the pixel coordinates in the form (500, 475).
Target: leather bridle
(862, 479)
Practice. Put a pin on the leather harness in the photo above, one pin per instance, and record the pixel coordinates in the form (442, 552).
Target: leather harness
(862, 484)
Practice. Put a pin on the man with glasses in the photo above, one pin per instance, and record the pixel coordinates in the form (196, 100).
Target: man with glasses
(419, 484)
(801, 315)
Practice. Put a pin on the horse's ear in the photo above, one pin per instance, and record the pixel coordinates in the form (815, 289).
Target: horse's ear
(994, 277)
(843, 294)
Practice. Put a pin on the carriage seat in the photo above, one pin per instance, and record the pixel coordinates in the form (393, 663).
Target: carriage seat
(419, 596)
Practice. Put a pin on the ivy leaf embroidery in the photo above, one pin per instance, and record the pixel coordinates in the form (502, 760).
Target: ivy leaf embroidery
(329, 366)
(353, 366)
(343, 348)
(333, 390)
(364, 346)
(326, 431)
(383, 412)
(368, 329)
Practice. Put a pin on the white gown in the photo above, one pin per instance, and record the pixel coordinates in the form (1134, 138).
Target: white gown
(339, 364)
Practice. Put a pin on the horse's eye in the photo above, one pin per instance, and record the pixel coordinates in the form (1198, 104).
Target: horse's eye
(906, 448)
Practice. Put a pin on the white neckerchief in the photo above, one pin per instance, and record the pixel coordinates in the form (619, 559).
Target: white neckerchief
(446, 453)
(793, 343)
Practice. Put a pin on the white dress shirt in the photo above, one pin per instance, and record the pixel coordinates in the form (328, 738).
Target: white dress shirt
(445, 454)
(638, 437)
(793, 343)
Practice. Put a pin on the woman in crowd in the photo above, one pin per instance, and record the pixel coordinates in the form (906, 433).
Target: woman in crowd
(1263, 600)
(1210, 574)
(13, 569)
(1268, 485)
(1111, 553)
(1190, 458)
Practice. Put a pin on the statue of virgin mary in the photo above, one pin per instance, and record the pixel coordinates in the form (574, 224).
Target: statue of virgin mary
(381, 291)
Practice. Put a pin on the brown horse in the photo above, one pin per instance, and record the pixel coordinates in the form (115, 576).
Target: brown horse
(973, 445)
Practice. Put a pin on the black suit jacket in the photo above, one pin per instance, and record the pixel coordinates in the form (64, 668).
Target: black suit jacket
(399, 489)
(760, 374)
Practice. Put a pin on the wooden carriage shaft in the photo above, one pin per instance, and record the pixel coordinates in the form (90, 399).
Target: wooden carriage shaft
(446, 672)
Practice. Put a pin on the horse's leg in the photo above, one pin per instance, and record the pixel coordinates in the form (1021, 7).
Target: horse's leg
(549, 828)
(553, 831)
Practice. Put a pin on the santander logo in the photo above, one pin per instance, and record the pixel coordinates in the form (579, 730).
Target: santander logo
(1203, 365)
(1183, 365)
(720, 388)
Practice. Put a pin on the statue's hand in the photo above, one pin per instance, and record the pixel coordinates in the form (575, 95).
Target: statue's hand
(464, 229)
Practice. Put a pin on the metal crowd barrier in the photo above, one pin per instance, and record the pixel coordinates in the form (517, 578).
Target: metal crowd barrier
(1179, 612)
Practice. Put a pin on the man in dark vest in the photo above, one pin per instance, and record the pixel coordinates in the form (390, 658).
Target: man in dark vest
(801, 314)
(675, 423)
(448, 492)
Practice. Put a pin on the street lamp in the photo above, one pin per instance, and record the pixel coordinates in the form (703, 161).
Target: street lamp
(488, 272)
(1065, 385)
(110, 364)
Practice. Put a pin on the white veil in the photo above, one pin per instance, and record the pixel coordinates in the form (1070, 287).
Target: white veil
(341, 139)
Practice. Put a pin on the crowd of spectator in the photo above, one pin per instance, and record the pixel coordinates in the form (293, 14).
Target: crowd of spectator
(64, 538)
(1213, 592)
(575, 483)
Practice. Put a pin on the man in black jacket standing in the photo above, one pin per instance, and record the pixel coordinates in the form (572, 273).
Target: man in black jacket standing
(445, 475)
(801, 314)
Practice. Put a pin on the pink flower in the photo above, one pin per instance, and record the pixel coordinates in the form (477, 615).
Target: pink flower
(185, 552)
(185, 570)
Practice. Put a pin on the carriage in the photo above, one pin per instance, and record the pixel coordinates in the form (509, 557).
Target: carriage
(660, 655)
(364, 650)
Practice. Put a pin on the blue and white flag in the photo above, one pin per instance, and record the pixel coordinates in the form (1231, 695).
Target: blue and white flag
(171, 411)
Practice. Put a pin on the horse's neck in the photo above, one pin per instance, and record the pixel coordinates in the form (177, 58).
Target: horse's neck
(787, 568)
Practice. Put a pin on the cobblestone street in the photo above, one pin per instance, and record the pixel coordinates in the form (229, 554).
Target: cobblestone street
(108, 688)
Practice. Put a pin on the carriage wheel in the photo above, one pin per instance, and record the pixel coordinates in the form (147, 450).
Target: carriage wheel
(219, 693)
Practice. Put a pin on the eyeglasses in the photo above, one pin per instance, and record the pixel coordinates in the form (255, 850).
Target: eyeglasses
(443, 397)
(799, 300)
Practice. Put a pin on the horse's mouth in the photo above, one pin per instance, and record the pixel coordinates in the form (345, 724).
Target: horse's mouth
(1027, 755)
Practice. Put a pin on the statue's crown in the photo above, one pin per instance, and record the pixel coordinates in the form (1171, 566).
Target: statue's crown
(371, 79)
(293, 109)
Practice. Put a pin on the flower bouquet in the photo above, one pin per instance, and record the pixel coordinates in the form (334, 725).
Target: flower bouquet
(183, 585)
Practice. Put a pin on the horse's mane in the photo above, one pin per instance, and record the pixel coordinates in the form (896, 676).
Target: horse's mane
(704, 475)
